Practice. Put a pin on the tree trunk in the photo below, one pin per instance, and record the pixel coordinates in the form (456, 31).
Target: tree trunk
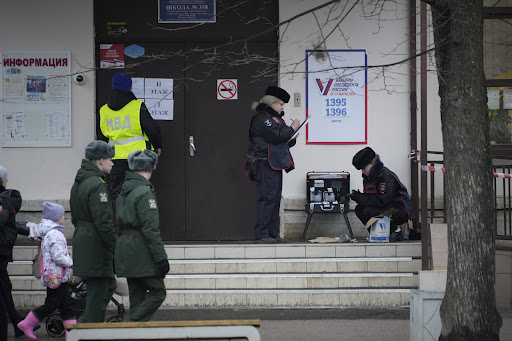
(468, 311)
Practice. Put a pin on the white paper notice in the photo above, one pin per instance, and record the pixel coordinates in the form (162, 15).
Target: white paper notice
(138, 88)
(161, 109)
(14, 126)
(13, 88)
(57, 88)
(493, 99)
(158, 88)
(507, 98)
(57, 125)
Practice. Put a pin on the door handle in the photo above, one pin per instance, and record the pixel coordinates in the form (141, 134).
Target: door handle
(192, 147)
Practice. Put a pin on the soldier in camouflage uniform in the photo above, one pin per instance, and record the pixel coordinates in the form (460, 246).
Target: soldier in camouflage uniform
(94, 239)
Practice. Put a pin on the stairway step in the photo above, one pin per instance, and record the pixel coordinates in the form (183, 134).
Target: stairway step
(312, 298)
(291, 281)
(250, 251)
(293, 265)
(293, 250)
(265, 281)
(290, 298)
(281, 265)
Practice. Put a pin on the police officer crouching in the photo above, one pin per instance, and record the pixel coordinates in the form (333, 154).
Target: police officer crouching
(268, 155)
(382, 191)
(140, 255)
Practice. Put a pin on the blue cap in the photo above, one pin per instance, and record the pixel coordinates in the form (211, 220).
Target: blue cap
(121, 82)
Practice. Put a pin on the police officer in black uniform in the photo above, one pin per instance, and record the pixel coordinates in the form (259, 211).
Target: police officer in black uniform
(268, 155)
(382, 191)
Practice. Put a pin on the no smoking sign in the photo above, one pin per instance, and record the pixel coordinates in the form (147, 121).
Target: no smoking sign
(227, 89)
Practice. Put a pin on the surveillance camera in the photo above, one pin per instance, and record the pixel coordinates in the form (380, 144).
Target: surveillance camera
(79, 79)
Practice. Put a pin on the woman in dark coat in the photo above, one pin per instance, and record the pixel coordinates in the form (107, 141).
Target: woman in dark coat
(10, 204)
(268, 156)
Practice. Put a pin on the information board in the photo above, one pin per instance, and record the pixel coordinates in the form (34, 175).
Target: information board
(336, 97)
(36, 99)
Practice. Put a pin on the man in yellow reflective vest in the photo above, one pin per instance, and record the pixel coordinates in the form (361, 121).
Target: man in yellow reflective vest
(126, 123)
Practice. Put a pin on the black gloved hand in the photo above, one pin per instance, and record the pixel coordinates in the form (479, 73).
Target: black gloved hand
(162, 268)
(355, 195)
(23, 228)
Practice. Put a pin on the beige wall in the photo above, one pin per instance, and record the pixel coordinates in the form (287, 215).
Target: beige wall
(57, 25)
(385, 41)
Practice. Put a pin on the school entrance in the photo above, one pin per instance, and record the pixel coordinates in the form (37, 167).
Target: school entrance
(200, 182)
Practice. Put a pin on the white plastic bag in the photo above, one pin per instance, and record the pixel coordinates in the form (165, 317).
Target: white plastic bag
(379, 231)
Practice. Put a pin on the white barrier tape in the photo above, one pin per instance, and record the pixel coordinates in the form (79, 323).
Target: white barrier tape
(502, 175)
(441, 169)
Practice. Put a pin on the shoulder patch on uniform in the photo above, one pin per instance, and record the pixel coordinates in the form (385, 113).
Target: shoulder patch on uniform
(268, 122)
(152, 204)
(1, 208)
(382, 187)
(103, 197)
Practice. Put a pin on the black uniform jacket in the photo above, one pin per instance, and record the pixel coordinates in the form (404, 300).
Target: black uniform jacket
(383, 189)
(10, 203)
(268, 135)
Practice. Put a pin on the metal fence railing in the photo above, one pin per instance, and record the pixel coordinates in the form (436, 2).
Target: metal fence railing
(502, 184)
(502, 201)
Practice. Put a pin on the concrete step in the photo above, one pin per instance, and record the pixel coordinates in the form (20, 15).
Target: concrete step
(290, 275)
(297, 250)
(256, 251)
(292, 265)
(292, 281)
(281, 265)
(312, 298)
(266, 281)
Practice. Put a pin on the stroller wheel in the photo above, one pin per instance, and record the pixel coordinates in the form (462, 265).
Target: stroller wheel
(114, 319)
(54, 325)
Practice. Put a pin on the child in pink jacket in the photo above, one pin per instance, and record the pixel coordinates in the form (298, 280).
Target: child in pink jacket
(56, 271)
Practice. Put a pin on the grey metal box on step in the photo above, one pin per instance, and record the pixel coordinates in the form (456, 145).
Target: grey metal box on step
(327, 192)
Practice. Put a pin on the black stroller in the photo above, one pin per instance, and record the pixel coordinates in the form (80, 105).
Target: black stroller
(54, 323)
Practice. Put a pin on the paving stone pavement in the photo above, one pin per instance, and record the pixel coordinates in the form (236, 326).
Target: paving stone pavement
(307, 324)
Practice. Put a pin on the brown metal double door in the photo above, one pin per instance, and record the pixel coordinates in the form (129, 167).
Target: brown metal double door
(204, 195)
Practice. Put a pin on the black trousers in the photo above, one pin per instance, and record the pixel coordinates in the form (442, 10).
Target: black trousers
(59, 298)
(365, 213)
(270, 186)
(117, 175)
(3, 316)
(6, 291)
